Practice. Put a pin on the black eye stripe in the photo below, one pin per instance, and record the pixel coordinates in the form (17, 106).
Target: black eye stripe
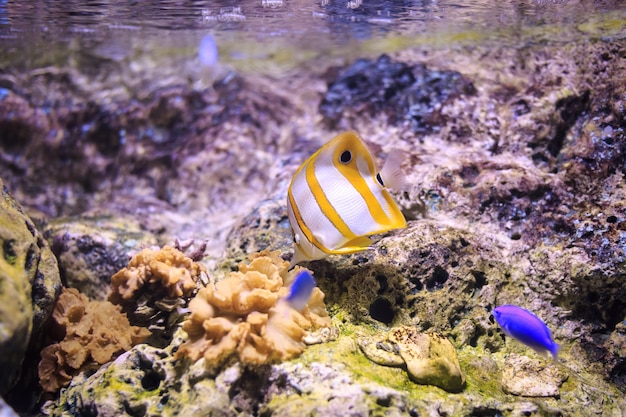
(380, 180)
(345, 157)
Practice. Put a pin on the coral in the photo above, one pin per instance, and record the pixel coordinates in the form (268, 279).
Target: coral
(245, 315)
(92, 331)
(168, 269)
(153, 285)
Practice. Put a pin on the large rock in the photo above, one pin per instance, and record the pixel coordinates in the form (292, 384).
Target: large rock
(29, 285)
(149, 381)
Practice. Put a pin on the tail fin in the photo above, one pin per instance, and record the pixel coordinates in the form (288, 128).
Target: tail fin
(554, 350)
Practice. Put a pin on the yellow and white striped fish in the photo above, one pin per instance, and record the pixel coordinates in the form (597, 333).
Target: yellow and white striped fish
(337, 198)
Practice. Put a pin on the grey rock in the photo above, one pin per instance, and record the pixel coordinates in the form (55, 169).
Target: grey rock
(91, 249)
(528, 377)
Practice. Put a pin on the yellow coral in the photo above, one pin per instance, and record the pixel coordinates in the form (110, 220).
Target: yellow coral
(167, 268)
(95, 330)
(245, 315)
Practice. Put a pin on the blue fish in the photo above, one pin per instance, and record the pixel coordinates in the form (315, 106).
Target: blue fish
(524, 326)
(301, 290)
(207, 51)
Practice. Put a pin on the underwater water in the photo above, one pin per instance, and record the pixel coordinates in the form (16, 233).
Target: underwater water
(40, 33)
(128, 126)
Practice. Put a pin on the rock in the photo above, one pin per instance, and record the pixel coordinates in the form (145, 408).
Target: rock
(91, 249)
(142, 369)
(410, 93)
(380, 350)
(430, 358)
(615, 357)
(465, 332)
(148, 381)
(265, 227)
(161, 151)
(528, 377)
(29, 285)
(322, 389)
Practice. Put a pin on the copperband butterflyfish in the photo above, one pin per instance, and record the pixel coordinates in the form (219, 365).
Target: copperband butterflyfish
(337, 198)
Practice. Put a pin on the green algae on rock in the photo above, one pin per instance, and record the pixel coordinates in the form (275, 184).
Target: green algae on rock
(148, 381)
(29, 285)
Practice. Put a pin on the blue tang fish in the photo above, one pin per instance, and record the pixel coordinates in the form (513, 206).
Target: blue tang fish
(337, 198)
(524, 326)
(301, 290)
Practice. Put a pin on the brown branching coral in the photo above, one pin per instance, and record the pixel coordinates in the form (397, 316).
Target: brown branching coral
(153, 285)
(92, 332)
(245, 316)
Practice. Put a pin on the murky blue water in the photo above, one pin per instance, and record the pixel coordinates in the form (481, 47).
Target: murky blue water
(30, 32)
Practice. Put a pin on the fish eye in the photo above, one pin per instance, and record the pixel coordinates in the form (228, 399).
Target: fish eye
(380, 180)
(345, 157)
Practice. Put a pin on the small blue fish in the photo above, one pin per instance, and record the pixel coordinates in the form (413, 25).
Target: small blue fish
(301, 290)
(207, 51)
(524, 326)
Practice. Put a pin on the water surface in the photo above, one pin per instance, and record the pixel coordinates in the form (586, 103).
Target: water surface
(45, 32)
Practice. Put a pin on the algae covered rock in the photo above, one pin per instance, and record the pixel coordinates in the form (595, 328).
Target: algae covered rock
(29, 284)
(616, 355)
(148, 381)
(430, 358)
